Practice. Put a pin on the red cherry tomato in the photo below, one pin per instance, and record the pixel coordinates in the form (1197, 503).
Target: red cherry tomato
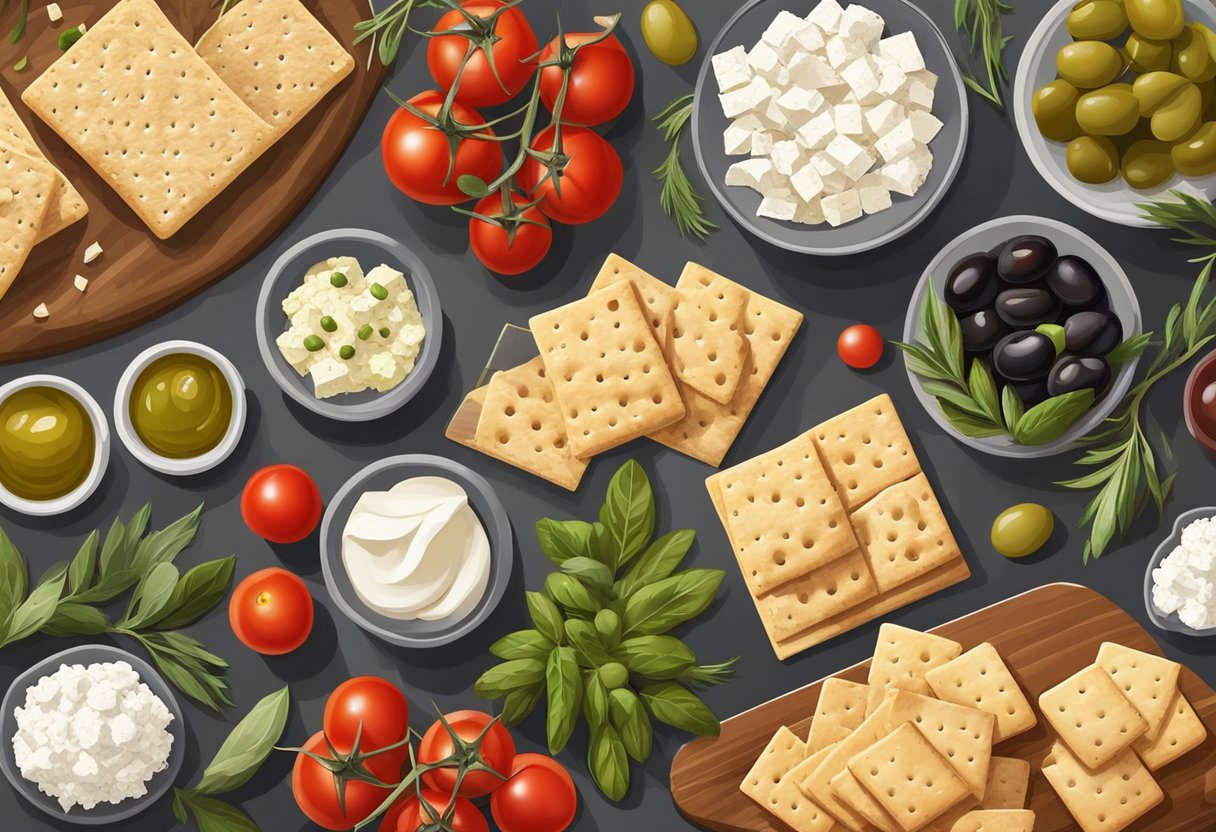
(539, 797)
(271, 612)
(418, 158)
(465, 818)
(390, 819)
(601, 80)
(312, 785)
(281, 503)
(514, 43)
(860, 346)
(499, 250)
(369, 707)
(590, 182)
(497, 750)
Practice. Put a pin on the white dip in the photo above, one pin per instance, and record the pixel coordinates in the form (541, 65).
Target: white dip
(1185, 580)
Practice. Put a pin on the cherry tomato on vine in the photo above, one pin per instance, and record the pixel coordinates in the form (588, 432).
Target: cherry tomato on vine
(281, 504)
(465, 818)
(369, 707)
(513, 247)
(391, 817)
(271, 612)
(511, 42)
(590, 181)
(601, 79)
(497, 751)
(313, 785)
(860, 346)
(539, 797)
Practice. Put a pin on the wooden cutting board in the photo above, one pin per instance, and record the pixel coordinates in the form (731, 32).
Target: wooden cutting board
(1044, 635)
(140, 277)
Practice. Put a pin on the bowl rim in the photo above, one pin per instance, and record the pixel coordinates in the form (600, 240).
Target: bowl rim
(426, 295)
(498, 531)
(1000, 445)
(167, 465)
(1204, 440)
(101, 450)
(922, 213)
(1171, 622)
(113, 812)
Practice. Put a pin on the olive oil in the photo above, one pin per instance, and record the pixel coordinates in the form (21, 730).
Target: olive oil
(181, 406)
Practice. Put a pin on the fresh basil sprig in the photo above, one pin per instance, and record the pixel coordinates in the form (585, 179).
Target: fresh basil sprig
(598, 650)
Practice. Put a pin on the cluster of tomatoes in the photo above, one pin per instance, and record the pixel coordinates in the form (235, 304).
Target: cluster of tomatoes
(440, 150)
(345, 773)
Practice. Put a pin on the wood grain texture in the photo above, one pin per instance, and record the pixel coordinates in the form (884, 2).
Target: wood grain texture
(1044, 636)
(140, 277)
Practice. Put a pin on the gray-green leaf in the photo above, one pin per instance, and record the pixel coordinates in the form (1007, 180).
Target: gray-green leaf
(166, 544)
(661, 558)
(561, 540)
(628, 513)
(656, 657)
(546, 617)
(570, 594)
(632, 722)
(1049, 420)
(247, 746)
(563, 687)
(677, 706)
(594, 575)
(608, 763)
(523, 644)
(71, 619)
(507, 676)
(84, 564)
(36, 610)
(217, 816)
(658, 607)
(151, 596)
(13, 577)
(196, 594)
(517, 704)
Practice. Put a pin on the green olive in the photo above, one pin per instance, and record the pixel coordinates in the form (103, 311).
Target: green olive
(1144, 55)
(1156, 19)
(1197, 155)
(1092, 159)
(313, 343)
(1147, 164)
(1174, 104)
(1022, 530)
(1192, 60)
(1207, 92)
(669, 32)
(346, 352)
(1097, 20)
(1110, 111)
(1089, 64)
(1055, 111)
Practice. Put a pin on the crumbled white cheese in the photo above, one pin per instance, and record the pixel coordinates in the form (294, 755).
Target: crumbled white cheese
(54, 13)
(92, 253)
(1185, 581)
(41, 313)
(81, 283)
(83, 28)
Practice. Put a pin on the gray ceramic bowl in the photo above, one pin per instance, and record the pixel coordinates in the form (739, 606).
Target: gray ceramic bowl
(950, 106)
(1171, 622)
(1068, 240)
(381, 476)
(371, 249)
(102, 813)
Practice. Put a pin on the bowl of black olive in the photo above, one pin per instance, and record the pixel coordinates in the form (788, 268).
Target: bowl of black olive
(1022, 336)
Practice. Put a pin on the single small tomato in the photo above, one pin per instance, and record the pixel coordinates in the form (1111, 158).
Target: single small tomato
(512, 245)
(860, 346)
(271, 612)
(497, 750)
(371, 708)
(390, 819)
(313, 785)
(465, 817)
(511, 43)
(539, 797)
(590, 180)
(601, 79)
(281, 503)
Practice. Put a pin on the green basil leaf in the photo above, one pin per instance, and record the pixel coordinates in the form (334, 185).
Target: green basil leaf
(179, 807)
(656, 657)
(523, 644)
(1131, 348)
(13, 577)
(983, 390)
(72, 619)
(1012, 409)
(661, 558)
(591, 573)
(561, 540)
(569, 594)
(564, 689)
(588, 647)
(1049, 420)
(188, 667)
(628, 513)
(217, 816)
(924, 363)
(632, 723)
(595, 701)
(84, 564)
(969, 424)
(677, 706)
(608, 625)
(187, 646)
(658, 607)
(198, 592)
(36, 610)
(950, 393)
(150, 596)
(247, 746)
(117, 550)
(608, 763)
(546, 617)
(165, 545)
(507, 676)
(517, 704)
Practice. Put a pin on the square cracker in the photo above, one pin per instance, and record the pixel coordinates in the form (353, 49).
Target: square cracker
(149, 115)
(1106, 799)
(790, 805)
(850, 791)
(784, 751)
(707, 347)
(782, 514)
(32, 182)
(522, 426)
(902, 657)
(611, 379)
(980, 679)
(708, 429)
(841, 701)
(67, 205)
(1181, 732)
(277, 57)
(866, 450)
(961, 735)
(909, 779)
(816, 782)
(1008, 781)
(995, 820)
(657, 297)
(903, 533)
(1092, 716)
(825, 732)
(1149, 682)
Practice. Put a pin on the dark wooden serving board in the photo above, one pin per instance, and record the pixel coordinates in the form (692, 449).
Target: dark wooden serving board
(140, 277)
(1044, 635)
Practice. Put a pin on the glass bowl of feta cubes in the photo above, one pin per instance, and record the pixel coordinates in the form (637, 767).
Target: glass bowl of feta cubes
(831, 133)
(1180, 582)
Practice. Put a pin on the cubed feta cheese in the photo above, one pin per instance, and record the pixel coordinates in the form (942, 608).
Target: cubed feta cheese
(748, 173)
(762, 143)
(744, 99)
(737, 140)
(896, 144)
(812, 72)
(784, 24)
(807, 182)
(763, 59)
(882, 118)
(920, 95)
(841, 50)
(922, 158)
(892, 82)
(861, 24)
(806, 38)
(902, 177)
(924, 125)
(817, 132)
(861, 76)
(826, 15)
(848, 119)
(809, 213)
(925, 77)
(874, 198)
(785, 156)
(731, 69)
(841, 208)
(777, 208)
(851, 158)
(799, 104)
(902, 49)
(329, 377)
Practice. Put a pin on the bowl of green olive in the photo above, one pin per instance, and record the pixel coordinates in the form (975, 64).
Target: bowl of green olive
(1115, 103)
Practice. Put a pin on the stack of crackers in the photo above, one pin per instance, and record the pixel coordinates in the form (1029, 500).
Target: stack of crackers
(682, 365)
(836, 528)
(910, 750)
(1118, 720)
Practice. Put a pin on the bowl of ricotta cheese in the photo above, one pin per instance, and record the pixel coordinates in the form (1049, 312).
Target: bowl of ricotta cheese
(416, 550)
(1180, 582)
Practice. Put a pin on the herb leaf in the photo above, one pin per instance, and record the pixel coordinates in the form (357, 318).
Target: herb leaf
(679, 707)
(1049, 420)
(678, 196)
(546, 617)
(246, 747)
(981, 21)
(196, 594)
(661, 558)
(632, 723)
(609, 765)
(564, 689)
(517, 704)
(660, 606)
(216, 816)
(628, 513)
(523, 644)
(561, 540)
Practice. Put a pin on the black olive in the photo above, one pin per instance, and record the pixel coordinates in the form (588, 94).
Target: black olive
(1023, 356)
(972, 283)
(1092, 333)
(1027, 308)
(1075, 282)
(1078, 372)
(1024, 259)
(982, 330)
(1031, 392)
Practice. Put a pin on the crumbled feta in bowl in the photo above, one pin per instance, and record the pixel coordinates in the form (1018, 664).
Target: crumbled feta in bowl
(1180, 585)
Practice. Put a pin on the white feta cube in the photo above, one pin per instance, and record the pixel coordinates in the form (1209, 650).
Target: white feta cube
(874, 198)
(806, 182)
(774, 117)
(896, 144)
(731, 69)
(848, 119)
(329, 377)
(786, 155)
(744, 99)
(920, 95)
(902, 49)
(861, 24)
(54, 13)
(812, 72)
(925, 125)
(763, 59)
(737, 140)
(892, 82)
(851, 158)
(882, 118)
(841, 50)
(809, 213)
(861, 76)
(841, 208)
(925, 77)
(826, 15)
(806, 38)
(922, 158)
(783, 25)
(817, 132)
(902, 177)
(834, 183)
(777, 208)
(762, 143)
(749, 173)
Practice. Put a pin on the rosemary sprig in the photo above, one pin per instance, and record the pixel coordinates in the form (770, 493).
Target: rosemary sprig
(981, 20)
(678, 196)
(1183, 216)
(393, 23)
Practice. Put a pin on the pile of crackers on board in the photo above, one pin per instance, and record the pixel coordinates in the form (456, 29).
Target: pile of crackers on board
(836, 528)
(916, 747)
(165, 124)
(682, 365)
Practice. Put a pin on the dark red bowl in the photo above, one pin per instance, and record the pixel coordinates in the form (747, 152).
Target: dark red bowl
(1199, 403)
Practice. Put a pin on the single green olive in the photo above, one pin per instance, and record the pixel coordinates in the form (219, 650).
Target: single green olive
(1022, 530)
(313, 343)
(1097, 20)
(668, 32)
(1110, 111)
(1089, 64)
(1197, 155)
(1156, 19)
(1092, 159)
(1144, 55)
(1147, 164)
(338, 280)
(1191, 59)
(1172, 103)
(346, 352)
(328, 323)
(365, 332)
(378, 291)
(1055, 110)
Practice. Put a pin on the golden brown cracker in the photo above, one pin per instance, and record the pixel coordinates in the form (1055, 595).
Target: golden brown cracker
(1091, 715)
(1008, 781)
(784, 751)
(866, 450)
(1182, 731)
(67, 205)
(707, 345)
(657, 297)
(1149, 682)
(1105, 799)
(29, 184)
(908, 778)
(903, 533)
(980, 679)
(961, 735)
(902, 657)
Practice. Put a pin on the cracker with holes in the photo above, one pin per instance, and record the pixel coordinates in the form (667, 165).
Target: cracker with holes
(1148, 681)
(817, 596)
(842, 702)
(707, 347)
(67, 205)
(657, 297)
(1092, 716)
(903, 533)
(149, 115)
(962, 736)
(866, 450)
(902, 657)
(32, 182)
(607, 371)
(1181, 732)
(1106, 798)
(522, 426)
(849, 790)
(980, 679)
(823, 733)
(784, 751)
(789, 804)
(1008, 780)
(817, 781)
(995, 820)
(277, 57)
